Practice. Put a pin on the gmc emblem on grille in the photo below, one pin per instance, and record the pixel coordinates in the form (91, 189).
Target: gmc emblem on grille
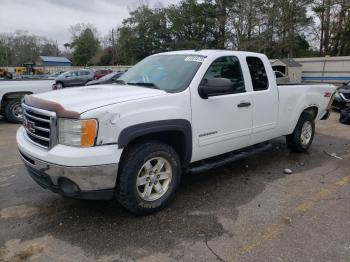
(29, 125)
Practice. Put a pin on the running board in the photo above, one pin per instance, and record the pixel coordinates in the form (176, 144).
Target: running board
(218, 161)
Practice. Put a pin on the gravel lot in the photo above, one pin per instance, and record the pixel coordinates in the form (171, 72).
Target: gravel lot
(246, 211)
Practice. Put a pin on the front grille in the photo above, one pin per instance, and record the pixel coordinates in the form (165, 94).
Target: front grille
(39, 127)
(346, 95)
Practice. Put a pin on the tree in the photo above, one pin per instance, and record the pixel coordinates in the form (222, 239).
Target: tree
(334, 26)
(49, 48)
(85, 44)
(192, 25)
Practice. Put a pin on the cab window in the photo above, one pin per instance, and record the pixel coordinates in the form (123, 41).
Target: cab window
(227, 67)
(258, 74)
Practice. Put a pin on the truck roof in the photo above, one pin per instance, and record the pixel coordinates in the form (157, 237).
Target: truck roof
(209, 52)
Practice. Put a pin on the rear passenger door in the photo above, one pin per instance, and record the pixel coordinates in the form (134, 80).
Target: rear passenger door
(221, 123)
(82, 78)
(69, 79)
(265, 100)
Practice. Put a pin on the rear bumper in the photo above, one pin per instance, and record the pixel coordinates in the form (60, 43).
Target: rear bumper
(92, 182)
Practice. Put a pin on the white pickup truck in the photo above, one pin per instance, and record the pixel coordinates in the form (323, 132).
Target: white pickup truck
(12, 91)
(175, 112)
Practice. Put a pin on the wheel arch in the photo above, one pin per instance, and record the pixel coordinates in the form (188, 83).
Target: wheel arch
(312, 110)
(13, 95)
(175, 132)
(61, 82)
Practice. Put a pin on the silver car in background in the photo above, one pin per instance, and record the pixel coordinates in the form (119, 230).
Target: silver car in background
(74, 78)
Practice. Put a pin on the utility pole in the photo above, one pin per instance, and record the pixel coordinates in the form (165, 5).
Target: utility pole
(113, 55)
(57, 49)
(6, 54)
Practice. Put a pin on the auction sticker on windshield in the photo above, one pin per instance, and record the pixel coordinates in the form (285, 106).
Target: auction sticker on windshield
(193, 58)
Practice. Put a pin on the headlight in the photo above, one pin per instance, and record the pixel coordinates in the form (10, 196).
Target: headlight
(81, 133)
(336, 95)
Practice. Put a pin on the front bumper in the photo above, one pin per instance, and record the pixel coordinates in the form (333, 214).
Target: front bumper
(92, 182)
(89, 173)
(339, 103)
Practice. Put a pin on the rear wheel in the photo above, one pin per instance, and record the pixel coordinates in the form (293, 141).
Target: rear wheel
(301, 139)
(148, 178)
(13, 111)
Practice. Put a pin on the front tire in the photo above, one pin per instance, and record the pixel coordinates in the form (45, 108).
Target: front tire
(13, 111)
(301, 139)
(59, 85)
(149, 176)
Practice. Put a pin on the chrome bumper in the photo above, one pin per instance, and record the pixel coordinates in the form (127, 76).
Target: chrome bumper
(91, 182)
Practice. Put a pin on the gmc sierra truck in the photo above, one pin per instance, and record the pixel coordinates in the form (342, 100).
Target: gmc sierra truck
(172, 113)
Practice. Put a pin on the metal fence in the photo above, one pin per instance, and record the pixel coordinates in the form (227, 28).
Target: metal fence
(54, 69)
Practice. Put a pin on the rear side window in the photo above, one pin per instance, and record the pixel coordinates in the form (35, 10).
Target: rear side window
(227, 67)
(83, 73)
(258, 74)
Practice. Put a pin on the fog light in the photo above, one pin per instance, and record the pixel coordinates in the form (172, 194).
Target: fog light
(68, 187)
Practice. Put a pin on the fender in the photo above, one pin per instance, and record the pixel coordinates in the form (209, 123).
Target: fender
(184, 126)
(12, 95)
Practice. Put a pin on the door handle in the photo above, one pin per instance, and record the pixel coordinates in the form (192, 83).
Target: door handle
(244, 104)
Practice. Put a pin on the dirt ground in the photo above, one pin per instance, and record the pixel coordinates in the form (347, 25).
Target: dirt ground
(246, 211)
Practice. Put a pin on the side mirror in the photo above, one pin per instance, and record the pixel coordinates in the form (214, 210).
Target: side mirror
(214, 87)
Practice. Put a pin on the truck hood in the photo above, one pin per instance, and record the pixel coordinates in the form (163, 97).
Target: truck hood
(82, 99)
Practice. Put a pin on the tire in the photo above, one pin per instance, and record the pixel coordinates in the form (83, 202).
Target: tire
(297, 141)
(13, 111)
(135, 167)
(59, 85)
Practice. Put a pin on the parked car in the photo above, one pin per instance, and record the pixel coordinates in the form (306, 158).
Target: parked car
(107, 79)
(53, 76)
(342, 97)
(74, 78)
(281, 78)
(183, 111)
(102, 72)
(11, 93)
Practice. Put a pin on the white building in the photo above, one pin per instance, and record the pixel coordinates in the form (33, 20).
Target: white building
(325, 69)
(289, 67)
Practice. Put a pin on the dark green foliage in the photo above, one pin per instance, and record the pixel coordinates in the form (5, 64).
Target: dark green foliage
(272, 27)
(85, 45)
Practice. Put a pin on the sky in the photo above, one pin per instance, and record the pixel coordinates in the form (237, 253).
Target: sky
(52, 18)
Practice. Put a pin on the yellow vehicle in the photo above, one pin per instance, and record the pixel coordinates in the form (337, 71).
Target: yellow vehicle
(29, 69)
(39, 71)
(21, 70)
(4, 73)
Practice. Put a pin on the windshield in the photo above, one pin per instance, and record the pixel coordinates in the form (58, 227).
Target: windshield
(109, 76)
(171, 73)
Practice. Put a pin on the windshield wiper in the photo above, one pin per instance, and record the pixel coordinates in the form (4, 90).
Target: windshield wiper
(149, 85)
(119, 81)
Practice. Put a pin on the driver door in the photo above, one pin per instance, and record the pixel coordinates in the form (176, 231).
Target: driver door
(222, 123)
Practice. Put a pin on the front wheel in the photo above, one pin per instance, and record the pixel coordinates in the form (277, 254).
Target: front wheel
(13, 111)
(59, 85)
(148, 178)
(301, 139)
